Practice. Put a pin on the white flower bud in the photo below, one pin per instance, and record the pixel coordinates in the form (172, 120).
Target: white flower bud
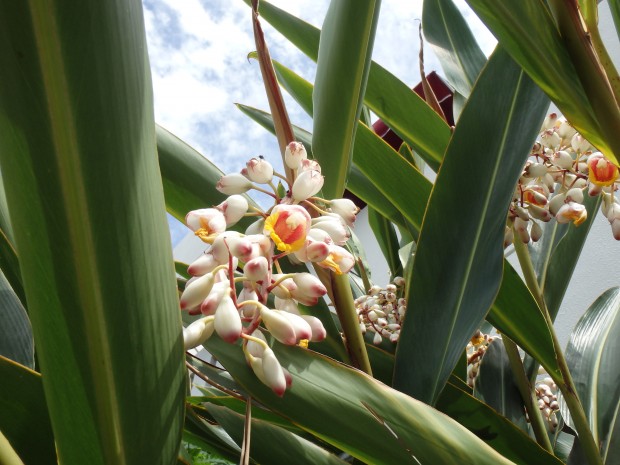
(286, 305)
(227, 320)
(219, 248)
(335, 227)
(556, 203)
(562, 159)
(615, 229)
(313, 251)
(579, 144)
(520, 228)
(258, 170)
(309, 285)
(202, 265)
(256, 269)
(233, 208)
(210, 219)
(247, 293)
(212, 301)
(295, 152)
(613, 212)
(550, 139)
(307, 184)
(536, 232)
(377, 339)
(537, 170)
(346, 209)
(254, 348)
(549, 121)
(197, 333)
(256, 227)
(196, 291)
(309, 165)
(234, 183)
(279, 326)
(539, 213)
(574, 195)
(566, 131)
(318, 330)
(274, 375)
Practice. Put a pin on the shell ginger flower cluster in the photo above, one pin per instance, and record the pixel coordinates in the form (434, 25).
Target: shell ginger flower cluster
(561, 167)
(232, 281)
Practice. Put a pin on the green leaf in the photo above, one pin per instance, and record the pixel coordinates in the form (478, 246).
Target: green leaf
(290, 447)
(614, 6)
(342, 71)
(358, 182)
(24, 420)
(16, 341)
(564, 258)
(446, 306)
(327, 398)
(592, 357)
(528, 32)
(453, 44)
(496, 387)
(492, 428)
(385, 233)
(388, 97)
(77, 141)
(516, 314)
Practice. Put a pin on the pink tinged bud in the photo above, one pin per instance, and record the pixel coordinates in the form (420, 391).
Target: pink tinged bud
(556, 203)
(318, 330)
(346, 209)
(572, 211)
(377, 339)
(256, 269)
(234, 183)
(539, 213)
(339, 260)
(579, 144)
(265, 246)
(320, 235)
(211, 220)
(520, 227)
(316, 251)
(550, 139)
(279, 326)
(335, 227)
(258, 170)
(197, 333)
(248, 294)
(240, 247)
(549, 121)
(287, 227)
(309, 285)
(307, 184)
(254, 348)
(574, 195)
(220, 246)
(212, 301)
(274, 375)
(309, 165)
(202, 265)
(602, 172)
(284, 289)
(233, 208)
(563, 159)
(293, 155)
(301, 326)
(196, 291)
(615, 229)
(536, 232)
(227, 320)
(613, 212)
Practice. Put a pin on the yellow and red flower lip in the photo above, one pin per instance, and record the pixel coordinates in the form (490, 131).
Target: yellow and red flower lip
(602, 172)
(287, 226)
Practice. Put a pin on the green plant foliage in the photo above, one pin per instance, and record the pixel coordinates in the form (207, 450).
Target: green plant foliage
(88, 217)
(592, 355)
(342, 71)
(446, 307)
(16, 341)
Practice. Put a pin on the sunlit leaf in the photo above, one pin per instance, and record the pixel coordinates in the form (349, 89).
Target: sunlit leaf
(457, 268)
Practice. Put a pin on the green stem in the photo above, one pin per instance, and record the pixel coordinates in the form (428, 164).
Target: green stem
(564, 380)
(339, 290)
(527, 394)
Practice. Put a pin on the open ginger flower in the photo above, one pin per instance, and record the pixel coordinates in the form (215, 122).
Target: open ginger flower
(287, 226)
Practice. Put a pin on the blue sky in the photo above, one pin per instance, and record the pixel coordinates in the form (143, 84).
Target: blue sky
(198, 51)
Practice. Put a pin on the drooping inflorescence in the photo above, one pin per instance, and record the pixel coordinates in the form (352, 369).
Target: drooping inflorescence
(561, 166)
(305, 228)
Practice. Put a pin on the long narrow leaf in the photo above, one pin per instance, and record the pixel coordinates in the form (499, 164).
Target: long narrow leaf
(592, 356)
(341, 74)
(528, 32)
(388, 97)
(77, 141)
(453, 43)
(358, 414)
(457, 269)
(16, 341)
(24, 420)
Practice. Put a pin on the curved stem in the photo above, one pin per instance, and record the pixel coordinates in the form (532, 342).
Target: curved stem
(564, 381)
(527, 394)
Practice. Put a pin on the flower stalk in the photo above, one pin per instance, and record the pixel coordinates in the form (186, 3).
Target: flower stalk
(564, 381)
